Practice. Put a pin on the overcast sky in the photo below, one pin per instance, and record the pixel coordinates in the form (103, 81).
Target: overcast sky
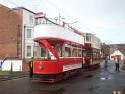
(104, 18)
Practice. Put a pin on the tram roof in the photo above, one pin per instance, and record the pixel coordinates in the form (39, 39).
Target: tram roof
(52, 31)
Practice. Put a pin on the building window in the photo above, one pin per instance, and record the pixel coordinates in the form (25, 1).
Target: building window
(36, 51)
(31, 19)
(37, 21)
(29, 51)
(29, 33)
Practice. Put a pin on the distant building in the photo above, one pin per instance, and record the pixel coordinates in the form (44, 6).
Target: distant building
(111, 49)
(117, 54)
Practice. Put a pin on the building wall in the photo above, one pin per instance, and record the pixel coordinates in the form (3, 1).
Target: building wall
(28, 23)
(12, 65)
(9, 24)
(116, 55)
(19, 15)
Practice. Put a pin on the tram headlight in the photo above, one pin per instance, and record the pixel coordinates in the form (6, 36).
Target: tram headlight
(40, 67)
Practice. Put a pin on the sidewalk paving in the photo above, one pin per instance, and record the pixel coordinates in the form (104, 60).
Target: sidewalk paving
(12, 75)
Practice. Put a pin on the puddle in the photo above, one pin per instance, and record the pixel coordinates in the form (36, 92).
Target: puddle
(58, 91)
(104, 78)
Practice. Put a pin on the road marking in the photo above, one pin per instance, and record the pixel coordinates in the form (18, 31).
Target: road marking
(114, 92)
(119, 92)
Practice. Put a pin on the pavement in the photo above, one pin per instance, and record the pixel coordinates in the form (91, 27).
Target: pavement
(12, 75)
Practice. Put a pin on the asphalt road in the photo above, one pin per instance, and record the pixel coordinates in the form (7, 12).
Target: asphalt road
(101, 81)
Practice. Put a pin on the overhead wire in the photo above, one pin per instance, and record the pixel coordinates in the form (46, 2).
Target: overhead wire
(15, 4)
(66, 13)
(12, 3)
(60, 9)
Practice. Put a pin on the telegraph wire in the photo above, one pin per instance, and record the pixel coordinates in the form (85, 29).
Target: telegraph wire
(60, 9)
(15, 4)
(82, 25)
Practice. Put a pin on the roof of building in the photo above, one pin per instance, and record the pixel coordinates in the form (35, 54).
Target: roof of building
(118, 50)
(5, 7)
(24, 9)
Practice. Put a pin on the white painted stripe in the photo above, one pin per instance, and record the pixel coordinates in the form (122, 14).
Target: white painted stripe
(114, 92)
(71, 67)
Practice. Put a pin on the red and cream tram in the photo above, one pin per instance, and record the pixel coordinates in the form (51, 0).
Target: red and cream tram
(62, 53)
(92, 50)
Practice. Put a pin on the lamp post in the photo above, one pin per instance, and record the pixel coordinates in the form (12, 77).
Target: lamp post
(24, 42)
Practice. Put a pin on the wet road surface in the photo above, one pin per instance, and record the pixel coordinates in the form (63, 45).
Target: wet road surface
(101, 81)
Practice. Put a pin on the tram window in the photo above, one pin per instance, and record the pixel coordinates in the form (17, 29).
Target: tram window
(84, 53)
(94, 54)
(43, 52)
(63, 51)
(88, 53)
(67, 52)
(59, 51)
(74, 52)
(79, 53)
(88, 37)
(98, 55)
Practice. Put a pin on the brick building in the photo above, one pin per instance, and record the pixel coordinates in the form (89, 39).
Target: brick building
(10, 34)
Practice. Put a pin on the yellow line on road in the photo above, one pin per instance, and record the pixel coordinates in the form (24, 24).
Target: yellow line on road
(117, 92)
(114, 92)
